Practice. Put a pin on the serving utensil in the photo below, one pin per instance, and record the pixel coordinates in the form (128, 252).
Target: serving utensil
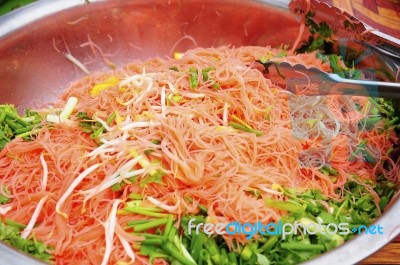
(376, 50)
(299, 79)
(378, 56)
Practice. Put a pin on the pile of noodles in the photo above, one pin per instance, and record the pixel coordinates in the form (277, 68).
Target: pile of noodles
(64, 178)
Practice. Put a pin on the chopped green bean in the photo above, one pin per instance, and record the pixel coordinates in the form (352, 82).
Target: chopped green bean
(303, 246)
(286, 206)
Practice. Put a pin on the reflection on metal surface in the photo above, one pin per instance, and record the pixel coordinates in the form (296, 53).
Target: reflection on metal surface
(299, 79)
(124, 31)
(375, 50)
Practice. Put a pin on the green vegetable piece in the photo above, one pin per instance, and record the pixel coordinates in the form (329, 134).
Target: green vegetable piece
(24, 129)
(281, 54)
(135, 196)
(224, 256)
(10, 234)
(263, 59)
(156, 141)
(262, 259)
(146, 250)
(313, 207)
(3, 196)
(330, 170)
(204, 258)
(384, 201)
(334, 62)
(15, 224)
(117, 186)
(245, 128)
(2, 116)
(361, 146)
(136, 222)
(268, 245)
(205, 72)
(149, 224)
(392, 122)
(330, 241)
(327, 218)
(213, 249)
(8, 6)
(156, 177)
(232, 258)
(303, 246)
(202, 207)
(375, 111)
(82, 115)
(88, 125)
(171, 234)
(148, 152)
(324, 30)
(193, 78)
(13, 125)
(168, 225)
(247, 252)
(6, 135)
(379, 107)
(216, 86)
(174, 252)
(367, 122)
(111, 118)
(144, 211)
(285, 205)
(153, 241)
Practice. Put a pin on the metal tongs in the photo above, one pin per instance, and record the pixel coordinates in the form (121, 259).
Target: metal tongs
(379, 55)
(299, 79)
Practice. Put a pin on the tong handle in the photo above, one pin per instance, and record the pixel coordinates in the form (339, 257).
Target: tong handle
(349, 30)
(300, 79)
(389, 54)
(333, 84)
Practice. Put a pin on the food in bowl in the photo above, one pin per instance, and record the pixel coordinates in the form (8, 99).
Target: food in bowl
(196, 159)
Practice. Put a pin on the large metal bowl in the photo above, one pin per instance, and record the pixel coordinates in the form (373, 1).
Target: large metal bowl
(34, 69)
